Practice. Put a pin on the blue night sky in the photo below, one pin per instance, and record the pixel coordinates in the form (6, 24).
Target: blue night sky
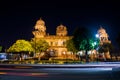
(17, 18)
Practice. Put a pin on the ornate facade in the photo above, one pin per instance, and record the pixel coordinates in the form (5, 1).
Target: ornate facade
(103, 36)
(56, 42)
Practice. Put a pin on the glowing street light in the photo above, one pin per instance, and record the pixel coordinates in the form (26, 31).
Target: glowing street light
(97, 36)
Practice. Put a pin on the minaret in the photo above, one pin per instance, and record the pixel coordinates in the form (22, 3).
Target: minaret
(40, 29)
(103, 36)
(61, 30)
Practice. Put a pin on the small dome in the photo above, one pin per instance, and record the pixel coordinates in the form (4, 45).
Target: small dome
(101, 30)
(61, 27)
(61, 30)
(40, 21)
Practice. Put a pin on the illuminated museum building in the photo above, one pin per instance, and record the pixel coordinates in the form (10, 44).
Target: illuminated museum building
(58, 42)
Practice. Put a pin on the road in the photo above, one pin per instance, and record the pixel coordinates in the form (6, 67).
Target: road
(102, 71)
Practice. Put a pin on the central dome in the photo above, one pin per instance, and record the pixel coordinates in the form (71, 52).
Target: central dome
(40, 22)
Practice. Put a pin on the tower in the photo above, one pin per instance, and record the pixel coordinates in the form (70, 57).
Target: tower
(40, 29)
(61, 30)
(103, 36)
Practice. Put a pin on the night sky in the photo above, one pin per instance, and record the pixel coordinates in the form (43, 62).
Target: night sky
(17, 18)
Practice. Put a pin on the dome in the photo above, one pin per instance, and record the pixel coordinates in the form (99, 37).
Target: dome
(61, 27)
(101, 30)
(61, 30)
(40, 21)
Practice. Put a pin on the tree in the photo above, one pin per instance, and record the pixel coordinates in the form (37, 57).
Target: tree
(83, 40)
(70, 45)
(21, 46)
(0, 48)
(105, 47)
(39, 45)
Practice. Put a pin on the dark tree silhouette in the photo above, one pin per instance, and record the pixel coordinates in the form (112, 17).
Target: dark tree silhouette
(83, 39)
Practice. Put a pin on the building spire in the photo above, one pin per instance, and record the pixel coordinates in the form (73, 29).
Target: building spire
(40, 18)
(101, 27)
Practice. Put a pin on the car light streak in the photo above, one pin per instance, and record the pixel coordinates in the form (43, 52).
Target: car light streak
(3, 73)
(25, 74)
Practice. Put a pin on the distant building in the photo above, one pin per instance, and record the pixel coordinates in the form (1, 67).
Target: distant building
(56, 42)
(103, 36)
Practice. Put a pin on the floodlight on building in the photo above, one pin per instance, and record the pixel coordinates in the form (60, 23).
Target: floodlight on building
(97, 36)
(89, 52)
(94, 43)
